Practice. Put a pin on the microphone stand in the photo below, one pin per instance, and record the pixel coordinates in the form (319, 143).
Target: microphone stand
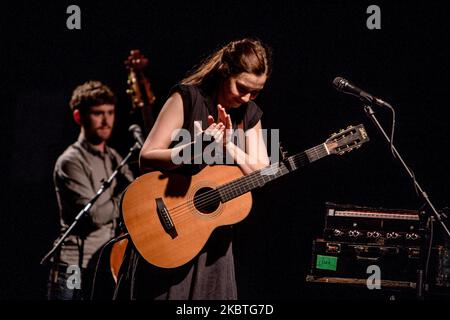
(420, 272)
(105, 185)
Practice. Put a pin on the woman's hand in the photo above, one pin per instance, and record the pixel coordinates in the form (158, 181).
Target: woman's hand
(220, 131)
(214, 132)
(224, 118)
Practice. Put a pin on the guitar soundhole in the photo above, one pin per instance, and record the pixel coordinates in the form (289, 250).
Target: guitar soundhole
(206, 200)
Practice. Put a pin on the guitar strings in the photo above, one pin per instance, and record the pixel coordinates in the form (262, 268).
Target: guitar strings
(255, 176)
(206, 198)
(214, 196)
(226, 190)
(180, 214)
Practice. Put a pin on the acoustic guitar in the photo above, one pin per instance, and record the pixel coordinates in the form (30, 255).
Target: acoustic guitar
(170, 216)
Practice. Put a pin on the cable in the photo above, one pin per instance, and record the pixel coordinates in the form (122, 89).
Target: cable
(427, 263)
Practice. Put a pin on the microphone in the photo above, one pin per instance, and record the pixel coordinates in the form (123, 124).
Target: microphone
(346, 86)
(137, 134)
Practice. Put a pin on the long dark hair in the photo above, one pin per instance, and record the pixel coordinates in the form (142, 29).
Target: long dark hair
(245, 55)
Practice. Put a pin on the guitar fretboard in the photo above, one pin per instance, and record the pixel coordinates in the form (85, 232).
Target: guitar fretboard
(260, 177)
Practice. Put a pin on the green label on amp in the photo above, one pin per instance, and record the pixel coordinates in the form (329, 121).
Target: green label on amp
(326, 262)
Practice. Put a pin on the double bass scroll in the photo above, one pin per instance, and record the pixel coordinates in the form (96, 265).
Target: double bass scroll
(139, 88)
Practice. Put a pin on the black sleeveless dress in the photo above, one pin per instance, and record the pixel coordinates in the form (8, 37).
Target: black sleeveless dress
(210, 275)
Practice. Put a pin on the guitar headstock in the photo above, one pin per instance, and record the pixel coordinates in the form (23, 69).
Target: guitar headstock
(138, 85)
(347, 139)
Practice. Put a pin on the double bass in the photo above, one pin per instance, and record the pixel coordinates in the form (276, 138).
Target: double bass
(139, 88)
(142, 108)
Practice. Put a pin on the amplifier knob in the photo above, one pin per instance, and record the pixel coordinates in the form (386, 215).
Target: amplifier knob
(354, 233)
(392, 235)
(412, 236)
(373, 234)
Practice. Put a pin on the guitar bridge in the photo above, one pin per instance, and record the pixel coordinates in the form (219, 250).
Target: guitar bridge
(165, 219)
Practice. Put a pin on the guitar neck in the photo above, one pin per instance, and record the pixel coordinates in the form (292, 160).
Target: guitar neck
(260, 177)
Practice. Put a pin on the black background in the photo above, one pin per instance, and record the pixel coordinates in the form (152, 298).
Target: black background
(406, 63)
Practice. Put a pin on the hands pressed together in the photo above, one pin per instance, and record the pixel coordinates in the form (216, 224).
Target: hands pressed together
(220, 131)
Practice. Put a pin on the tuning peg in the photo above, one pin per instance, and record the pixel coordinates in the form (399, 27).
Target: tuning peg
(130, 92)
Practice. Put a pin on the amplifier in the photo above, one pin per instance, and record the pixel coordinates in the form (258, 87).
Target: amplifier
(351, 260)
(366, 225)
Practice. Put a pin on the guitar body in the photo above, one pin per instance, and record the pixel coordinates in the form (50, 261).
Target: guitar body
(182, 196)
